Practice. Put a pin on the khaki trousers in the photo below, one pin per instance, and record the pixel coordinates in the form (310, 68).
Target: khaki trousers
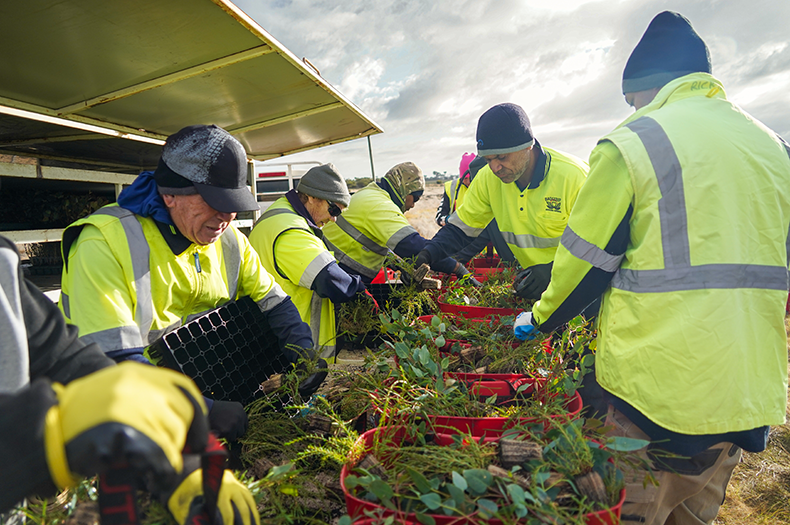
(690, 494)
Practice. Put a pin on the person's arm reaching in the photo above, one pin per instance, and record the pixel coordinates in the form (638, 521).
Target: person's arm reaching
(336, 285)
(594, 242)
(444, 210)
(54, 348)
(414, 244)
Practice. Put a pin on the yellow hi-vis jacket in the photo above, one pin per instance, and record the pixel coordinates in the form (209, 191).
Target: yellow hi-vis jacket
(531, 221)
(368, 229)
(124, 287)
(294, 255)
(691, 330)
(455, 191)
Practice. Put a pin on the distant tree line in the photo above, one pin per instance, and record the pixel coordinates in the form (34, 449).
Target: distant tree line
(436, 178)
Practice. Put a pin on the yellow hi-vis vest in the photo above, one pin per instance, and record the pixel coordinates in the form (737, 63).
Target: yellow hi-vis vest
(124, 287)
(692, 329)
(367, 231)
(455, 192)
(531, 221)
(294, 255)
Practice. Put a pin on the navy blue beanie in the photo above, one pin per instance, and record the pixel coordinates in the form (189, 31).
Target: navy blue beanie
(503, 129)
(669, 49)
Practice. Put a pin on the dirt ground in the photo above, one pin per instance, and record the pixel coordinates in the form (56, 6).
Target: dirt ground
(423, 213)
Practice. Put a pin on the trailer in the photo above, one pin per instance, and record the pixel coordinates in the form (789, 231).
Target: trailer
(90, 90)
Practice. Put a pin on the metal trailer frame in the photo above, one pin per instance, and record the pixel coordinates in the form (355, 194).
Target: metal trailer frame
(93, 95)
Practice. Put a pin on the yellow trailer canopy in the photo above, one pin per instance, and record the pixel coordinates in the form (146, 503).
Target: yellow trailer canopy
(147, 68)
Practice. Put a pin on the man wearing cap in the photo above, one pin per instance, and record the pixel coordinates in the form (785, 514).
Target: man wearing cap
(289, 242)
(167, 252)
(374, 225)
(683, 225)
(527, 188)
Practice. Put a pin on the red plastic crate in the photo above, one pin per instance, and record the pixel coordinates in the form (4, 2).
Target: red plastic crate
(486, 262)
(356, 507)
(475, 312)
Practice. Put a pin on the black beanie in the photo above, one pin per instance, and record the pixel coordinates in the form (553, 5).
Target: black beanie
(503, 129)
(669, 49)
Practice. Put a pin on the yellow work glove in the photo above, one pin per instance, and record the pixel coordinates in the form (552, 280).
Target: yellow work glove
(131, 413)
(235, 503)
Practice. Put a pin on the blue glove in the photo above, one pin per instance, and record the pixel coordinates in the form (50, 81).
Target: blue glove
(524, 328)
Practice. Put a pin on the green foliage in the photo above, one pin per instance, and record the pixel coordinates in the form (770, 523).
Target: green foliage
(52, 209)
(358, 183)
(335, 448)
(59, 508)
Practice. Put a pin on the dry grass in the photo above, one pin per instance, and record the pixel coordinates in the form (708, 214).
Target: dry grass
(759, 492)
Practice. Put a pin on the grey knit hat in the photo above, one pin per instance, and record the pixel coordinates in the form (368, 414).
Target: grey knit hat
(324, 182)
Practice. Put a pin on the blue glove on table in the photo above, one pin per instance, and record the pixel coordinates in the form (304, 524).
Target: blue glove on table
(524, 328)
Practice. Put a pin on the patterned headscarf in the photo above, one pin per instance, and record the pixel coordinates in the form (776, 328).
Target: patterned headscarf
(405, 178)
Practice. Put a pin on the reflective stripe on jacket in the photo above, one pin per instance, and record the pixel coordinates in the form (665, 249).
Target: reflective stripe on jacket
(531, 221)
(692, 329)
(368, 229)
(294, 255)
(455, 192)
(124, 287)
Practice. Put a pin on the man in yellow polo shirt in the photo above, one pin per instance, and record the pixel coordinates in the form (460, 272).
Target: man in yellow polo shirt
(527, 188)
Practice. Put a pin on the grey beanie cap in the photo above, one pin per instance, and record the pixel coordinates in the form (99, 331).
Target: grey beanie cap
(324, 182)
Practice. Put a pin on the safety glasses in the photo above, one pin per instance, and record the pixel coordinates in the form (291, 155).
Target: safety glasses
(334, 209)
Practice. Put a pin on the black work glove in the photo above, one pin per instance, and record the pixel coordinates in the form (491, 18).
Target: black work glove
(531, 282)
(424, 257)
(311, 383)
(461, 270)
(228, 419)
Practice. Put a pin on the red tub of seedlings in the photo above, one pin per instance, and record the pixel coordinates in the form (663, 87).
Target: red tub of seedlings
(362, 508)
(475, 312)
(506, 388)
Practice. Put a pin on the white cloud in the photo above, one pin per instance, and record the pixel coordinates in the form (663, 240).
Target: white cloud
(426, 69)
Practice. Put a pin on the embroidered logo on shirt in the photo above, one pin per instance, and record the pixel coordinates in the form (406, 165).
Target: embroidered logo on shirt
(553, 204)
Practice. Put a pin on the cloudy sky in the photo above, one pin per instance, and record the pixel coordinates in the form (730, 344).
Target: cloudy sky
(425, 70)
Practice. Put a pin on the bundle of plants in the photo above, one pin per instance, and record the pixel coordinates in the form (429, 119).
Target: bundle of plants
(562, 476)
(472, 329)
(295, 459)
(421, 387)
(357, 318)
(410, 298)
(471, 345)
(496, 292)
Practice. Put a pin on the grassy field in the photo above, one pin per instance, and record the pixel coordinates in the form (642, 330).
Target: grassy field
(759, 492)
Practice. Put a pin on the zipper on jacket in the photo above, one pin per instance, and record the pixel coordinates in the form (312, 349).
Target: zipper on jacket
(197, 263)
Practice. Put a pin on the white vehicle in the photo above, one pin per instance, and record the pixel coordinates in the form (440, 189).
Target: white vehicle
(273, 180)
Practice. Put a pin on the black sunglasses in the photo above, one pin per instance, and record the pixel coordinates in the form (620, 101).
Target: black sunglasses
(334, 209)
